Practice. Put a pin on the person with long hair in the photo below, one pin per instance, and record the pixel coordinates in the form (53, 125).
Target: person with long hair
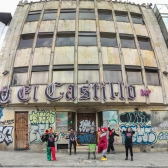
(112, 133)
(128, 140)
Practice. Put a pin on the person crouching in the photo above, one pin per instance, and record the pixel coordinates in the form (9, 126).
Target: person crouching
(102, 145)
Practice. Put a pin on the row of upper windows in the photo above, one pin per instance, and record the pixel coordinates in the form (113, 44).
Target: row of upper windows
(112, 73)
(84, 39)
(85, 14)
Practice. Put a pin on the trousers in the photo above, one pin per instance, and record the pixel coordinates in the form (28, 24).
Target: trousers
(128, 146)
(74, 144)
(110, 145)
(51, 151)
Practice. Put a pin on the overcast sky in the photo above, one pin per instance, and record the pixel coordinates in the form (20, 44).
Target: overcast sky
(10, 5)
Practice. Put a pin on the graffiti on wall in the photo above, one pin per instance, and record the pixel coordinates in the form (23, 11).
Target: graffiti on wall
(163, 136)
(135, 118)
(144, 135)
(1, 112)
(6, 134)
(62, 137)
(159, 120)
(87, 138)
(39, 122)
(87, 126)
(6, 122)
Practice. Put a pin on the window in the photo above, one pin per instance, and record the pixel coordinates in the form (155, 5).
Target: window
(88, 73)
(68, 14)
(112, 73)
(144, 43)
(134, 75)
(50, 15)
(33, 16)
(44, 40)
(127, 41)
(26, 41)
(105, 15)
(108, 39)
(121, 16)
(65, 121)
(87, 39)
(39, 75)
(137, 18)
(65, 39)
(152, 76)
(86, 14)
(63, 73)
(19, 76)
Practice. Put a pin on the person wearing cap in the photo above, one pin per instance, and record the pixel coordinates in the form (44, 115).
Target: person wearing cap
(102, 145)
(128, 140)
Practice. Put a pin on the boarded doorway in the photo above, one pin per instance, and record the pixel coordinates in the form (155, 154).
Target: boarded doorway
(21, 130)
(86, 128)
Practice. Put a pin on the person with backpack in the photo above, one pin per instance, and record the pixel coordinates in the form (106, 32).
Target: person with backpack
(128, 140)
(112, 133)
(49, 137)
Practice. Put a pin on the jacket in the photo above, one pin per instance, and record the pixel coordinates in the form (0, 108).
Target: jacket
(111, 135)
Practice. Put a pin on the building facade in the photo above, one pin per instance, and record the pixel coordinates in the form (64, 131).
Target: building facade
(83, 64)
(5, 19)
(161, 13)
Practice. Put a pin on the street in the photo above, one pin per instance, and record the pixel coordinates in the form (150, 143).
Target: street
(30, 159)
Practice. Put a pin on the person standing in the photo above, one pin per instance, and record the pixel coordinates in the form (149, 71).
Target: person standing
(72, 141)
(128, 140)
(111, 139)
(102, 145)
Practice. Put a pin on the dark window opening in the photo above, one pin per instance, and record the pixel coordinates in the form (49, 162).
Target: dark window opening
(26, 41)
(50, 15)
(88, 67)
(137, 18)
(63, 67)
(44, 40)
(127, 41)
(105, 15)
(87, 39)
(108, 39)
(65, 39)
(152, 76)
(40, 68)
(86, 14)
(134, 76)
(121, 16)
(33, 16)
(67, 14)
(144, 43)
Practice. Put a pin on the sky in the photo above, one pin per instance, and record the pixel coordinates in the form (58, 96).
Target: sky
(10, 5)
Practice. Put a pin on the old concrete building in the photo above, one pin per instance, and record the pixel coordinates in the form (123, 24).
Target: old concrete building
(83, 64)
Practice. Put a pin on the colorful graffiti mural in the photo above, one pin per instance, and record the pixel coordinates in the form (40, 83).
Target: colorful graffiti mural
(163, 136)
(1, 112)
(62, 138)
(144, 135)
(6, 134)
(39, 122)
(87, 138)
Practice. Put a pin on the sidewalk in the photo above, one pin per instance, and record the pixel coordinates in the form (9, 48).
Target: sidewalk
(29, 159)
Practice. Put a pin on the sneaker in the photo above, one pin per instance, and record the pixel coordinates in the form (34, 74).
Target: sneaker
(103, 158)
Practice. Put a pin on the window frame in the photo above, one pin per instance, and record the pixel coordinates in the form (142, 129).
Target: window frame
(88, 67)
(44, 34)
(137, 15)
(33, 13)
(26, 35)
(67, 11)
(102, 11)
(67, 67)
(50, 11)
(108, 36)
(149, 42)
(40, 68)
(87, 11)
(121, 13)
(127, 36)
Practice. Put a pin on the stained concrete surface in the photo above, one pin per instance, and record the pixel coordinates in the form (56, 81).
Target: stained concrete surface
(29, 159)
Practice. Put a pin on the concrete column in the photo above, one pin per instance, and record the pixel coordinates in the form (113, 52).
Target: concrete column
(75, 75)
(9, 66)
(34, 45)
(156, 56)
(99, 49)
(120, 54)
(53, 44)
(139, 53)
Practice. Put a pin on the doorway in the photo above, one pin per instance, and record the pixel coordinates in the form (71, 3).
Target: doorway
(21, 130)
(86, 128)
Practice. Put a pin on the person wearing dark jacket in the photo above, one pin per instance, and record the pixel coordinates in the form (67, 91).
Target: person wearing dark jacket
(72, 140)
(128, 140)
(111, 139)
